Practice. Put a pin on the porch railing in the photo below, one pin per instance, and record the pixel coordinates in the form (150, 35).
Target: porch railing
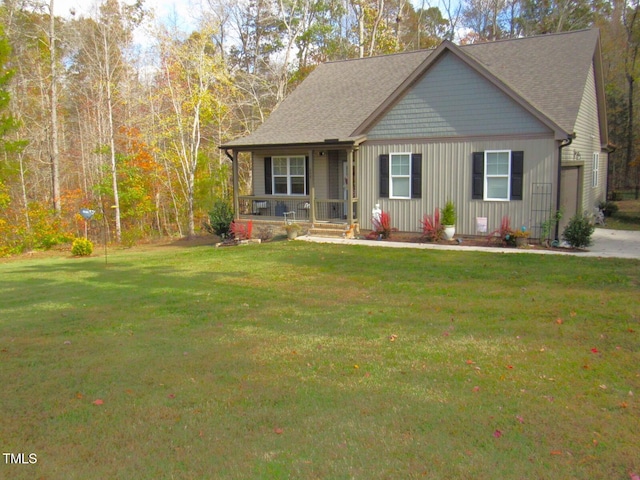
(274, 208)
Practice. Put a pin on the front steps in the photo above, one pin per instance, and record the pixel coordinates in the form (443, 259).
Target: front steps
(331, 230)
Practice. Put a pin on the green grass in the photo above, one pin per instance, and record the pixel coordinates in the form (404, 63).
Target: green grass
(306, 361)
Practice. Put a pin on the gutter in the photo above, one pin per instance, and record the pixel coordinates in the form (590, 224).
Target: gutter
(565, 143)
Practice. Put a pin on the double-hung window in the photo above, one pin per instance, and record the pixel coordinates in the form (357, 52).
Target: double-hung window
(497, 174)
(596, 167)
(288, 175)
(400, 178)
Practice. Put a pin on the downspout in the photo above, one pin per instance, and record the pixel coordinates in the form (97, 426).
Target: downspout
(565, 143)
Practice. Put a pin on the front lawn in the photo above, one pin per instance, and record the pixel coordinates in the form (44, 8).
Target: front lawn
(302, 361)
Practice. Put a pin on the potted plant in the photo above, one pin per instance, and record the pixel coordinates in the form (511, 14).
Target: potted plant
(448, 220)
(292, 230)
(521, 236)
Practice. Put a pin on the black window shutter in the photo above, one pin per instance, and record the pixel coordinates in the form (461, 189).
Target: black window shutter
(306, 175)
(268, 183)
(384, 176)
(517, 172)
(416, 175)
(477, 189)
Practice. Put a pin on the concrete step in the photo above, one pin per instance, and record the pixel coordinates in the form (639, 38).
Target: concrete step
(331, 230)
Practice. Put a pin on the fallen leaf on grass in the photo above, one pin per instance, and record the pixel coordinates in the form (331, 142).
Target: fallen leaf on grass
(171, 395)
(520, 419)
(556, 452)
(79, 395)
(497, 434)
(98, 402)
(634, 476)
(595, 350)
(510, 367)
(278, 431)
(476, 389)
(470, 362)
(559, 321)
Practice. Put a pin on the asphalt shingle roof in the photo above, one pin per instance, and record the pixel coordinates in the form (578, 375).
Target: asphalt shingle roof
(549, 72)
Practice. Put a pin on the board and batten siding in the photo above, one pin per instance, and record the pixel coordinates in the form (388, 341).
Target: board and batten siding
(447, 175)
(587, 142)
(454, 100)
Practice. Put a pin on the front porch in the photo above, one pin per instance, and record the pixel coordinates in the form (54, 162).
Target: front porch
(314, 186)
(299, 208)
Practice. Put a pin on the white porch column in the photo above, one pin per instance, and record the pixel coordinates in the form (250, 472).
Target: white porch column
(236, 182)
(350, 186)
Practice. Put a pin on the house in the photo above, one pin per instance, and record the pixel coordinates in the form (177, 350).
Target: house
(514, 127)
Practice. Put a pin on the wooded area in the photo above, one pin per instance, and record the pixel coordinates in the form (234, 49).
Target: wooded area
(91, 119)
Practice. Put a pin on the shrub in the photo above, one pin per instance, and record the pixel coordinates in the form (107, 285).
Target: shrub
(81, 247)
(265, 234)
(381, 226)
(505, 233)
(241, 231)
(432, 229)
(449, 216)
(220, 218)
(579, 230)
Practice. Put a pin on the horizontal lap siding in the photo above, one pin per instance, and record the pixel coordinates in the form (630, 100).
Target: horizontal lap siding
(588, 142)
(446, 175)
(454, 100)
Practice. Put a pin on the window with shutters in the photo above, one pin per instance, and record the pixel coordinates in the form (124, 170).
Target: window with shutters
(497, 174)
(400, 175)
(288, 175)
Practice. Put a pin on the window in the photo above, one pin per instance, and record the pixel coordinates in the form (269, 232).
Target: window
(400, 175)
(400, 178)
(596, 166)
(288, 175)
(497, 173)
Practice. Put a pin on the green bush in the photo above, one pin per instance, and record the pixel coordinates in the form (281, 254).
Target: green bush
(82, 247)
(220, 218)
(579, 230)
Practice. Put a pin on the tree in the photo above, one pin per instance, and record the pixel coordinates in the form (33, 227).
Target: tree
(191, 69)
(101, 58)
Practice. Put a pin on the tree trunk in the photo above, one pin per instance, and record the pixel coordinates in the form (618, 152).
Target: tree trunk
(55, 166)
(112, 143)
(629, 159)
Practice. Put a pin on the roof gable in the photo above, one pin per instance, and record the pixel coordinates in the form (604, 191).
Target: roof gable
(452, 99)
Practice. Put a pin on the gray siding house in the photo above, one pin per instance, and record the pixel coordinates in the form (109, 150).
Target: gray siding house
(514, 127)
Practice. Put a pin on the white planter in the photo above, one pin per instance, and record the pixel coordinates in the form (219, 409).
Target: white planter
(449, 231)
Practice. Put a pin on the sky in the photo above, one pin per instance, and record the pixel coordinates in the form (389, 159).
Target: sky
(165, 10)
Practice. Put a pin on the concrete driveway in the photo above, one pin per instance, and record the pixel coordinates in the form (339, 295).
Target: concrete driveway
(606, 243)
(614, 243)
